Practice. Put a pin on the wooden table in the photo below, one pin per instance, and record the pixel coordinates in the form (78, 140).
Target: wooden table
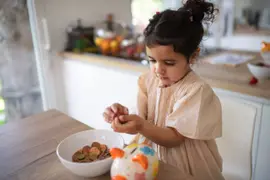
(27, 149)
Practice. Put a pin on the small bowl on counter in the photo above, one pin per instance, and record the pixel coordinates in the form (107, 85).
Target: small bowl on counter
(259, 70)
(76, 142)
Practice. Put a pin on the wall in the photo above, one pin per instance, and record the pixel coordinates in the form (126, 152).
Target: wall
(239, 5)
(263, 5)
(61, 13)
(260, 4)
(172, 4)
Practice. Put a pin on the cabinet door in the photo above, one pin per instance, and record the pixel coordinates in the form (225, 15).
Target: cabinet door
(235, 145)
(263, 158)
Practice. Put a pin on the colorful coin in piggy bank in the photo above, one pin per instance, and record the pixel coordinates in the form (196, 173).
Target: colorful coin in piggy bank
(134, 162)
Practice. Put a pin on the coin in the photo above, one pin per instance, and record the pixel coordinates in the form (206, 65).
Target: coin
(86, 150)
(103, 148)
(91, 153)
(86, 159)
(95, 144)
(94, 150)
(78, 156)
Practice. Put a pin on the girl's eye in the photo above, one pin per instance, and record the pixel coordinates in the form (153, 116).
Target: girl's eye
(152, 61)
(170, 63)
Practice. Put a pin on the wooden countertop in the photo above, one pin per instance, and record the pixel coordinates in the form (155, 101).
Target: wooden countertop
(235, 79)
(27, 149)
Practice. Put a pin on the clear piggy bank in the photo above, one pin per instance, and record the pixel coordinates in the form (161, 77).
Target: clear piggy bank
(134, 162)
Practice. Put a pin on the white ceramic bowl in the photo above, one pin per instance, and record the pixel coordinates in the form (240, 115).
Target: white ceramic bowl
(259, 72)
(71, 144)
(266, 57)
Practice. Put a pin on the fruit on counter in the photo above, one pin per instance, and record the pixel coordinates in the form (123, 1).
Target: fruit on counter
(130, 51)
(265, 47)
(119, 38)
(109, 45)
(98, 41)
(105, 47)
(115, 51)
(114, 44)
(115, 47)
(253, 81)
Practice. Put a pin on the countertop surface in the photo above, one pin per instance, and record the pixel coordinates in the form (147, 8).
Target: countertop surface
(234, 79)
(27, 149)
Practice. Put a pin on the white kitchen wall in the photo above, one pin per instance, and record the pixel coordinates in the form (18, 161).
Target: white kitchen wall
(260, 4)
(61, 13)
(239, 5)
(265, 18)
(172, 4)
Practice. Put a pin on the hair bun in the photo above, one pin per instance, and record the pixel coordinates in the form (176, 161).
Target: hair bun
(200, 10)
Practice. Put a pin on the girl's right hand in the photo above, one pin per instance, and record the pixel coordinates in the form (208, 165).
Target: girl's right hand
(114, 111)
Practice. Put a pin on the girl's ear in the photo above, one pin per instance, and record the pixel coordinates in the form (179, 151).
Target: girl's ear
(194, 56)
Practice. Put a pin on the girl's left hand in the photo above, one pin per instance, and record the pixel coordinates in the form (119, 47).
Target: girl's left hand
(130, 124)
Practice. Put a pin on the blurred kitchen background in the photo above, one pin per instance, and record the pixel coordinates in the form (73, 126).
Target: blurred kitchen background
(78, 55)
(242, 25)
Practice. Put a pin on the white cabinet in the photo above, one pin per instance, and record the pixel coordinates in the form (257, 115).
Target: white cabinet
(262, 165)
(239, 118)
(246, 120)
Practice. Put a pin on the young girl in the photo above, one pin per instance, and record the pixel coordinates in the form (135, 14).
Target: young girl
(178, 113)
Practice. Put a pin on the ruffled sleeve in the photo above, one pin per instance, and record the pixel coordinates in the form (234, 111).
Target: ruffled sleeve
(197, 115)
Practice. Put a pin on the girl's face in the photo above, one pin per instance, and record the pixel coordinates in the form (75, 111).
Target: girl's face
(168, 65)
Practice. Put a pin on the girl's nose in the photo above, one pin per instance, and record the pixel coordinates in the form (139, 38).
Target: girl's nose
(159, 68)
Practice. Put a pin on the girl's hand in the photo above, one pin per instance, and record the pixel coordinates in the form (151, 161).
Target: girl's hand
(130, 124)
(114, 111)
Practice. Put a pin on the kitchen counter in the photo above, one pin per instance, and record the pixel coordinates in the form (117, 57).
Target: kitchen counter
(234, 79)
(27, 149)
